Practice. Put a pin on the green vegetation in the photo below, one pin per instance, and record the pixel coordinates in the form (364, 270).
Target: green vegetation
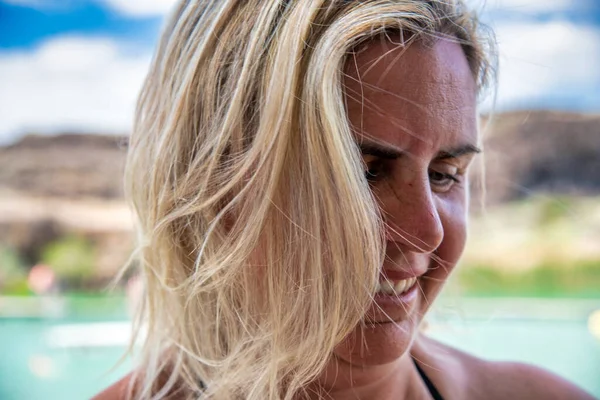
(72, 258)
(552, 210)
(13, 278)
(539, 247)
(582, 280)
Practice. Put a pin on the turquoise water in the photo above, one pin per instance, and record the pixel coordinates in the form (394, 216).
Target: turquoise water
(566, 348)
(68, 356)
(32, 369)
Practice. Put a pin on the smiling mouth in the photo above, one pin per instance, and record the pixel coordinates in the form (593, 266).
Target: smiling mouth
(395, 287)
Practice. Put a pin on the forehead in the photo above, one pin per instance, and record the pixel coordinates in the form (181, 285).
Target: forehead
(422, 94)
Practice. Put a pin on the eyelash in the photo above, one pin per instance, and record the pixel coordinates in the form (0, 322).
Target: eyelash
(378, 170)
(453, 178)
(375, 171)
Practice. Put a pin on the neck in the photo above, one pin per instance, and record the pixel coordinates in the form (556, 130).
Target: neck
(343, 380)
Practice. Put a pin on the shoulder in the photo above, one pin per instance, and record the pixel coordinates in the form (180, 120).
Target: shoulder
(120, 390)
(519, 380)
(462, 375)
(129, 387)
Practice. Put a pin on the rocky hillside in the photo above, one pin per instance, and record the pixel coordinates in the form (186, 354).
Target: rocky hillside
(531, 153)
(52, 186)
(64, 166)
(528, 152)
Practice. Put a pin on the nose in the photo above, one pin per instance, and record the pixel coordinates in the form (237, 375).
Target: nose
(412, 218)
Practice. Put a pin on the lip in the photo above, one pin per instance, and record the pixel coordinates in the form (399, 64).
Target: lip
(402, 302)
(399, 275)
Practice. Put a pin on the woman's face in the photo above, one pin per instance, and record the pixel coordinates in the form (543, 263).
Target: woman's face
(413, 112)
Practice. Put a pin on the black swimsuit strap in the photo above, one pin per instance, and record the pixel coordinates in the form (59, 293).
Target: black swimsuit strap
(430, 386)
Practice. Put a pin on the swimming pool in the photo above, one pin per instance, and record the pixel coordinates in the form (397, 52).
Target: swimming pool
(68, 356)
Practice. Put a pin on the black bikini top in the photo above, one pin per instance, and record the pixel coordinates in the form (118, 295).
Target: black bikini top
(430, 386)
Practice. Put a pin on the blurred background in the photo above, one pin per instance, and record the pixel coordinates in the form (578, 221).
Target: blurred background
(527, 289)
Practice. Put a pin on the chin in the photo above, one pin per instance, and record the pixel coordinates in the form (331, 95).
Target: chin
(391, 325)
(379, 343)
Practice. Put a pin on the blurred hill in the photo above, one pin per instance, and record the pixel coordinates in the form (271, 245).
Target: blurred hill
(57, 187)
(52, 186)
(541, 152)
(65, 166)
(525, 152)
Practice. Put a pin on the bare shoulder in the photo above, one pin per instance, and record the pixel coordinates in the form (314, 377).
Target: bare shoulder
(519, 380)
(129, 387)
(471, 377)
(117, 391)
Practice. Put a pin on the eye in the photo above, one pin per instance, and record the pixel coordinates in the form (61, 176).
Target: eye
(444, 180)
(375, 170)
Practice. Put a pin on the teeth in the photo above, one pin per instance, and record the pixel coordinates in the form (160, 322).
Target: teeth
(401, 285)
(389, 287)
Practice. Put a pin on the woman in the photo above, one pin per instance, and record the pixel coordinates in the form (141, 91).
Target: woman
(299, 170)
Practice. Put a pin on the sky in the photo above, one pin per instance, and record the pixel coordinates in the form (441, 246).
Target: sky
(77, 65)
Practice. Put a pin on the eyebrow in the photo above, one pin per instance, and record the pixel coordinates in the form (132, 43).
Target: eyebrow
(380, 151)
(391, 153)
(459, 151)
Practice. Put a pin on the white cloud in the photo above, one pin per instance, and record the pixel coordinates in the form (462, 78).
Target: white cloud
(540, 60)
(86, 84)
(69, 83)
(141, 8)
(526, 6)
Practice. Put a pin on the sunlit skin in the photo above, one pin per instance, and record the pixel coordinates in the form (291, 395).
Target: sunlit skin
(414, 115)
(414, 118)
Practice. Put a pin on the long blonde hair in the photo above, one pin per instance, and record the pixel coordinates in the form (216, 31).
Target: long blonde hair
(260, 242)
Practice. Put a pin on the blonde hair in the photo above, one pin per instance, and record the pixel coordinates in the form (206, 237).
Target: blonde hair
(260, 242)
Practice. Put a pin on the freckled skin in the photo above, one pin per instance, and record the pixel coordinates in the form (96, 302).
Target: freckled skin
(421, 102)
(424, 104)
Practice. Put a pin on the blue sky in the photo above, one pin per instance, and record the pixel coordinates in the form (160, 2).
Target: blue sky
(26, 24)
(76, 65)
